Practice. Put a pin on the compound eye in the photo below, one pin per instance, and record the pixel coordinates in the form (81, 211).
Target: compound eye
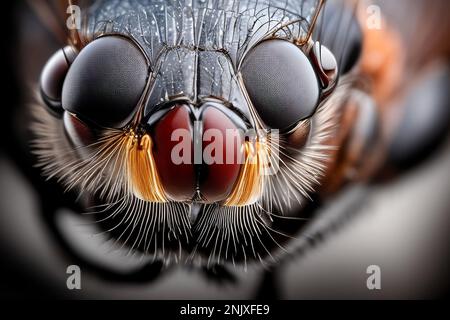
(281, 83)
(106, 81)
(52, 78)
(341, 33)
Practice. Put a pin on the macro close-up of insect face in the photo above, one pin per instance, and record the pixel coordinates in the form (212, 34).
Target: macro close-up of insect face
(223, 136)
(199, 123)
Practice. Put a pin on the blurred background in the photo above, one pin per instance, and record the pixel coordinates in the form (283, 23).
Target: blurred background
(401, 225)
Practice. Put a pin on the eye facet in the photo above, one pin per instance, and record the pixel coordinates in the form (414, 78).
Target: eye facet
(106, 81)
(281, 83)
